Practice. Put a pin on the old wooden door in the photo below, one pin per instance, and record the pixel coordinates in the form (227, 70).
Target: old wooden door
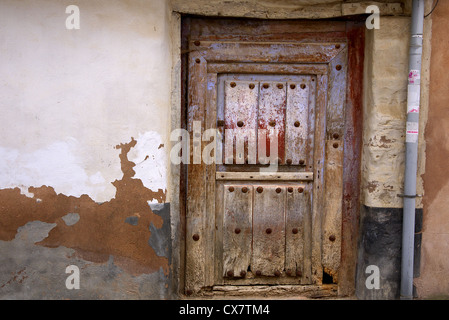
(267, 112)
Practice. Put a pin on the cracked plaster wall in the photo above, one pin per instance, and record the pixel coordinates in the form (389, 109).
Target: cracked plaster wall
(84, 149)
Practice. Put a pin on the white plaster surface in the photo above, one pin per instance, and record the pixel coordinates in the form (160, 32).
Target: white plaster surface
(68, 97)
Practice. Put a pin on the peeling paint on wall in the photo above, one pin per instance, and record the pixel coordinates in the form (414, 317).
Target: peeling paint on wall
(101, 230)
(54, 165)
(150, 159)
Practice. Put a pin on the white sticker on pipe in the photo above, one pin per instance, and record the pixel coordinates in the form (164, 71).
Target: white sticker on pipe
(412, 132)
(414, 77)
(413, 98)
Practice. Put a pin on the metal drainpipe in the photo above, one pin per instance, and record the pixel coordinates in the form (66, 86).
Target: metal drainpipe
(411, 153)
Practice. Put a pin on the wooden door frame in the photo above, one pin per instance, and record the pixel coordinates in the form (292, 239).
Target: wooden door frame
(353, 35)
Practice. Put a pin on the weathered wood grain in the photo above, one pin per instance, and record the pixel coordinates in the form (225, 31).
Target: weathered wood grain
(237, 229)
(268, 254)
(296, 122)
(298, 232)
(265, 176)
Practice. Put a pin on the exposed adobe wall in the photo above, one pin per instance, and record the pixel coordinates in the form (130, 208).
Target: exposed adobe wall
(432, 282)
(84, 150)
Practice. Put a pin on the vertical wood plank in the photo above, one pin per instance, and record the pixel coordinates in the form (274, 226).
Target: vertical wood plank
(272, 105)
(296, 122)
(240, 112)
(318, 186)
(210, 123)
(268, 230)
(237, 229)
(352, 157)
(332, 213)
(307, 264)
(311, 124)
(298, 232)
(196, 173)
(331, 242)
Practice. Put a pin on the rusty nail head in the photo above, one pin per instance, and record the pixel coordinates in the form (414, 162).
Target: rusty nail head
(332, 238)
(259, 189)
(303, 86)
(272, 123)
(335, 145)
(280, 85)
(338, 67)
(251, 86)
(189, 292)
(337, 46)
(301, 162)
(230, 273)
(232, 84)
(289, 161)
(297, 124)
(197, 60)
(298, 273)
(268, 231)
(243, 273)
(258, 273)
(196, 42)
(278, 190)
(240, 124)
(245, 189)
(237, 230)
(292, 86)
(277, 273)
(288, 272)
(336, 135)
(300, 189)
(266, 85)
(231, 189)
(295, 230)
(290, 189)
(196, 237)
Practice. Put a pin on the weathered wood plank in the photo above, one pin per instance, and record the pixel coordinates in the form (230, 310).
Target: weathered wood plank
(268, 68)
(307, 291)
(240, 116)
(271, 121)
(268, 52)
(311, 124)
(264, 176)
(237, 229)
(296, 122)
(335, 122)
(210, 123)
(268, 230)
(318, 185)
(298, 232)
(196, 189)
(331, 241)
